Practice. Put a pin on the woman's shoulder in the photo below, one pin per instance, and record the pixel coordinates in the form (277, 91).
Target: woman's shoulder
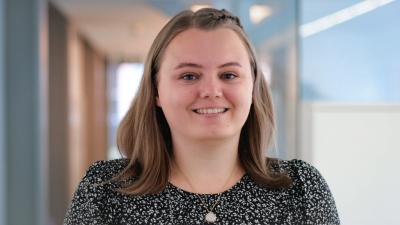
(310, 192)
(299, 169)
(104, 170)
(305, 176)
(88, 205)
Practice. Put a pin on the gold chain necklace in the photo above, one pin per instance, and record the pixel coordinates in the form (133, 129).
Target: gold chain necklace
(210, 216)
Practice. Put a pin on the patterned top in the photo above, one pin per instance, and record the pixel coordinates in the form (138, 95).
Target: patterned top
(308, 201)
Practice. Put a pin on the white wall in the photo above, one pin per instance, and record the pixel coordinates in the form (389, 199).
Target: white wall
(357, 149)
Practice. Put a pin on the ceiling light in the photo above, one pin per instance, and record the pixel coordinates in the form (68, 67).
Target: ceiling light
(341, 16)
(195, 8)
(259, 12)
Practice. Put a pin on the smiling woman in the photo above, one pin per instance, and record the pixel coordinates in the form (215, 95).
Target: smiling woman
(194, 139)
(205, 80)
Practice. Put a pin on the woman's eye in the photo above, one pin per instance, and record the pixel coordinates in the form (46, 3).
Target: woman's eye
(189, 76)
(229, 76)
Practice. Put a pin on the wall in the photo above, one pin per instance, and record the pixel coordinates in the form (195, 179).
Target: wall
(356, 148)
(349, 82)
(58, 116)
(94, 90)
(87, 100)
(2, 118)
(76, 126)
(77, 106)
(23, 107)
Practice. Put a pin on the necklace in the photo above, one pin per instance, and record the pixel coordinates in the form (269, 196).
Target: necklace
(210, 216)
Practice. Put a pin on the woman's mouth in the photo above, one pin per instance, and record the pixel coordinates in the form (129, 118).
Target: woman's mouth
(210, 110)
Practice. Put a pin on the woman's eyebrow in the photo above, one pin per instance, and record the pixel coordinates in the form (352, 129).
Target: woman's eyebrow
(188, 64)
(230, 64)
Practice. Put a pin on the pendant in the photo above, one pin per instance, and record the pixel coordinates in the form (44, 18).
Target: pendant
(211, 217)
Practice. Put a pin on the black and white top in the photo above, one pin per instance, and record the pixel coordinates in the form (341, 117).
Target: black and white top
(308, 201)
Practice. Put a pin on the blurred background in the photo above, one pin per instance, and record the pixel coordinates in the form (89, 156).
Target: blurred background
(70, 68)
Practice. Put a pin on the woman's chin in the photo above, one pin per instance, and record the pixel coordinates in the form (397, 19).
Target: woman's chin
(214, 135)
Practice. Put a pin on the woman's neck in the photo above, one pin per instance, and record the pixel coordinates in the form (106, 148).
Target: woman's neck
(206, 167)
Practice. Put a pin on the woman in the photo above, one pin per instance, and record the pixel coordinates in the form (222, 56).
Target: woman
(195, 137)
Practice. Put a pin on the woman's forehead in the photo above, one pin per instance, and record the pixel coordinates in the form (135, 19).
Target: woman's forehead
(217, 47)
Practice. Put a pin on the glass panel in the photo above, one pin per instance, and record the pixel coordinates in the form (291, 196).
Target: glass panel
(350, 50)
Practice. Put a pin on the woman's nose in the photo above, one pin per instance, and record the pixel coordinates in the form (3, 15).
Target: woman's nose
(210, 88)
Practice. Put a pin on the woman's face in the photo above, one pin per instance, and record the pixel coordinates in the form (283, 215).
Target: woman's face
(205, 84)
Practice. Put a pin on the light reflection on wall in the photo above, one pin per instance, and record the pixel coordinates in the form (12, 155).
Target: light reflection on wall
(128, 78)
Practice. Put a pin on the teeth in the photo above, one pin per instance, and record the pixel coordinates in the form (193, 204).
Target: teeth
(210, 110)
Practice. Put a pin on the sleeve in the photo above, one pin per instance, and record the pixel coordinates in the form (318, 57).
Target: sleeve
(317, 204)
(86, 206)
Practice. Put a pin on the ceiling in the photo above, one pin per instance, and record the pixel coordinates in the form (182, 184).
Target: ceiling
(124, 29)
(121, 29)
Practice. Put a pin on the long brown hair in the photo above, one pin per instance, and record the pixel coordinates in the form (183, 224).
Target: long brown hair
(144, 135)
